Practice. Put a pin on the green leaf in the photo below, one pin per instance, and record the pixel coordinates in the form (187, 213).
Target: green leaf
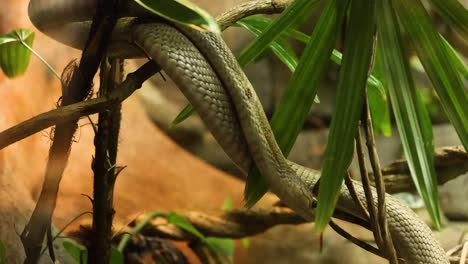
(357, 56)
(183, 12)
(378, 104)
(454, 13)
(184, 114)
(336, 56)
(227, 205)
(80, 253)
(290, 17)
(76, 251)
(116, 256)
(380, 112)
(280, 47)
(126, 238)
(412, 121)
(283, 51)
(378, 101)
(184, 224)
(221, 246)
(3, 250)
(456, 59)
(14, 56)
(437, 62)
(245, 243)
(295, 104)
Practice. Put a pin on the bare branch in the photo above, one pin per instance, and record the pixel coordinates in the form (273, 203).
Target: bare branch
(380, 185)
(74, 111)
(449, 162)
(251, 8)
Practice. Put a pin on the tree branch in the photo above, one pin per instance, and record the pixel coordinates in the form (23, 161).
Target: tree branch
(449, 162)
(74, 111)
(104, 165)
(251, 8)
(75, 91)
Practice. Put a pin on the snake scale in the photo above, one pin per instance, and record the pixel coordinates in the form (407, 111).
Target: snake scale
(206, 71)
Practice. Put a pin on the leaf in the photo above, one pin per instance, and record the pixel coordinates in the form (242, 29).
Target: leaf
(438, 63)
(80, 253)
(126, 237)
(280, 47)
(290, 17)
(357, 56)
(3, 250)
(454, 13)
(227, 205)
(380, 112)
(289, 116)
(245, 243)
(221, 246)
(76, 251)
(218, 246)
(283, 51)
(378, 104)
(184, 114)
(116, 256)
(411, 120)
(456, 59)
(184, 224)
(183, 12)
(378, 101)
(14, 56)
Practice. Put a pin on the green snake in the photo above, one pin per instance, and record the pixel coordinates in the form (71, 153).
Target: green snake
(208, 74)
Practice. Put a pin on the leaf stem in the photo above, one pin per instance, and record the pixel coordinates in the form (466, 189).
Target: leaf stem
(40, 58)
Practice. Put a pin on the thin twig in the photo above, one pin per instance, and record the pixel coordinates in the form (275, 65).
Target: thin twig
(50, 243)
(202, 252)
(464, 253)
(380, 186)
(454, 250)
(65, 227)
(356, 241)
(74, 111)
(367, 190)
(352, 191)
(126, 237)
(456, 260)
(103, 165)
(251, 8)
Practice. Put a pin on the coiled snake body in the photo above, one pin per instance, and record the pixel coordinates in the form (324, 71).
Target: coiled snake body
(208, 74)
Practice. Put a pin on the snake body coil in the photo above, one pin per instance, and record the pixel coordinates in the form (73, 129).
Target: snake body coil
(208, 74)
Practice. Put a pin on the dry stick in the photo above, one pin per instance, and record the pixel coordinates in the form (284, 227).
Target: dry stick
(71, 112)
(234, 224)
(464, 253)
(77, 90)
(202, 252)
(356, 241)
(352, 191)
(251, 8)
(457, 260)
(367, 190)
(379, 186)
(449, 162)
(106, 140)
(454, 250)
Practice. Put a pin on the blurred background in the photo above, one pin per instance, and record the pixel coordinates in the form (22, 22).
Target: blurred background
(150, 148)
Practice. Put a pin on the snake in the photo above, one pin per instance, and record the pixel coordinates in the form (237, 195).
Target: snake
(207, 73)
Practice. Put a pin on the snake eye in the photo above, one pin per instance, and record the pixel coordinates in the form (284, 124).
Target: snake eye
(313, 204)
